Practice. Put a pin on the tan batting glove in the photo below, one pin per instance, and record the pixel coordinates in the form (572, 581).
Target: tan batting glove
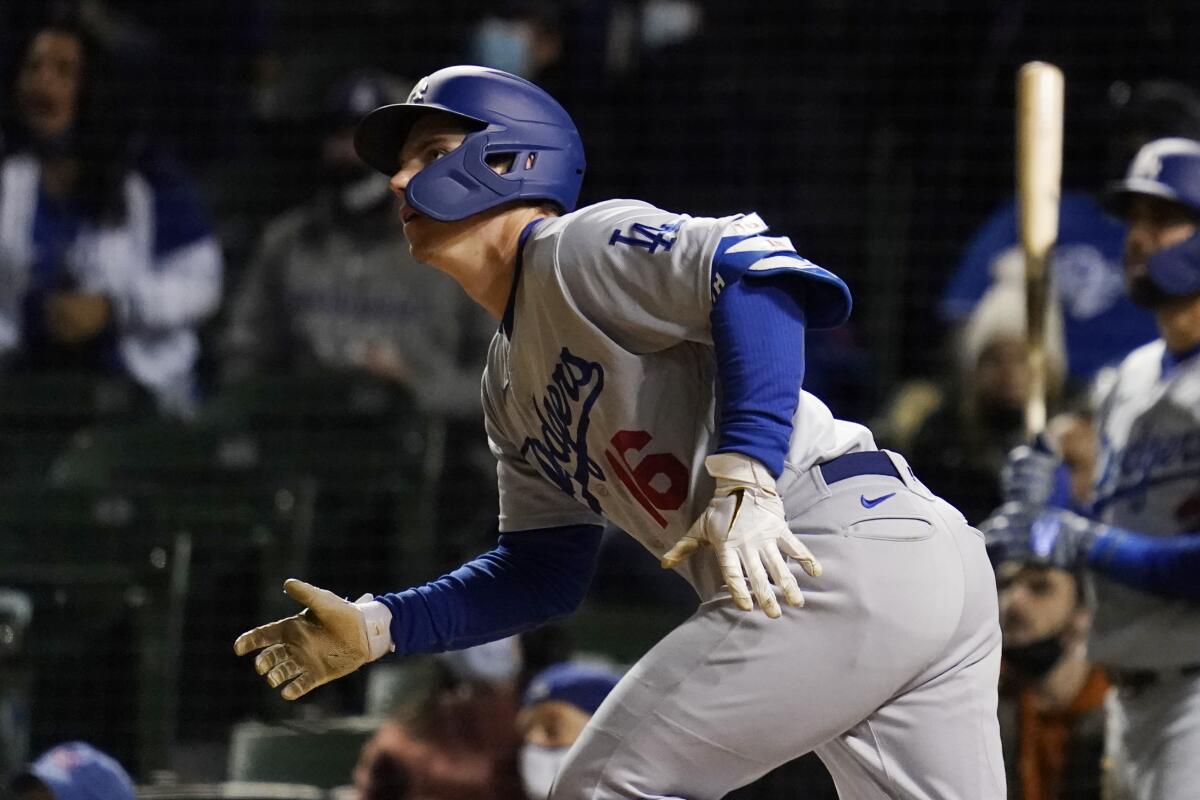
(330, 638)
(745, 524)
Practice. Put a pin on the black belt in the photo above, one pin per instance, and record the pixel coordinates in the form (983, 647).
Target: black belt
(851, 465)
(1138, 679)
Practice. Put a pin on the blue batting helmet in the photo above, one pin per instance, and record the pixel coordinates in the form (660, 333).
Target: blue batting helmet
(508, 117)
(1165, 168)
(1168, 169)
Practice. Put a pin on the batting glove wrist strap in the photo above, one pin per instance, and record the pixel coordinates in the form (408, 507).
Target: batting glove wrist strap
(378, 620)
(325, 641)
(736, 471)
(745, 525)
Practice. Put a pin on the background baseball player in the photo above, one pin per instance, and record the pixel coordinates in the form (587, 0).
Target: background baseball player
(1138, 538)
(647, 370)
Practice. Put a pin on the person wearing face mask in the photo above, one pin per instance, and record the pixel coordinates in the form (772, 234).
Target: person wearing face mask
(107, 261)
(1052, 698)
(557, 704)
(332, 285)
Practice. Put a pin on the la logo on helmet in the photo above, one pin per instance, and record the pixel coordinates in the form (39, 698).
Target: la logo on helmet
(1148, 167)
(418, 93)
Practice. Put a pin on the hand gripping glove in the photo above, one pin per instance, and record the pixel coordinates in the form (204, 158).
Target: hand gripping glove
(744, 523)
(330, 638)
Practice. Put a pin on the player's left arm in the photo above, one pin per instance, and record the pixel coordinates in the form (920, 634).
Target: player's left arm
(1165, 566)
(764, 295)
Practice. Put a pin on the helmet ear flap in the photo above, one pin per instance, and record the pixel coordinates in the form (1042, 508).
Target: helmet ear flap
(462, 182)
(527, 146)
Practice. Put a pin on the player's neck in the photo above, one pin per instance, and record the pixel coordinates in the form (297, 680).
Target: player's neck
(1179, 324)
(482, 258)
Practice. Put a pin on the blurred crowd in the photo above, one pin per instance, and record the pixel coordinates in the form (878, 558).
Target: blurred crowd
(220, 363)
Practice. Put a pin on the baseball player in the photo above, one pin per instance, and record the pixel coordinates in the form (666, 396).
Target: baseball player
(647, 370)
(1137, 538)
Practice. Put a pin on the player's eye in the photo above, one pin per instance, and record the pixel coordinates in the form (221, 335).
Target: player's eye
(1040, 588)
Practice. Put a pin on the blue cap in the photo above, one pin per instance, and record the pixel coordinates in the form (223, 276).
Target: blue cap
(78, 771)
(582, 685)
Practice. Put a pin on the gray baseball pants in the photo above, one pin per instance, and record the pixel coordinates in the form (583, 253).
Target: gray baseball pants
(888, 672)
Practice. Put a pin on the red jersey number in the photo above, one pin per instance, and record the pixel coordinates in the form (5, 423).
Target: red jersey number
(659, 481)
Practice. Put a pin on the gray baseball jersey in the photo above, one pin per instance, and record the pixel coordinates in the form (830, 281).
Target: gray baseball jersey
(599, 402)
(1149, 482)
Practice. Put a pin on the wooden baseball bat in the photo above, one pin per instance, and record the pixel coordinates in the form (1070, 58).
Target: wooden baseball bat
(1039, 176)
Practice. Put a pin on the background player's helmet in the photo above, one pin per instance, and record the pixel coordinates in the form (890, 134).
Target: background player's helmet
(1170, 170)
(1165, 168)
(512, 121)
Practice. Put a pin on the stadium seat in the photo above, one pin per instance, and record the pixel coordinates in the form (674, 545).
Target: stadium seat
(232, 790)
(320, 753)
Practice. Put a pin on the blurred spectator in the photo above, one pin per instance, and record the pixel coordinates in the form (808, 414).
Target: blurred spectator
(73, 771)
(524, 38)
(1052, 699)
(108, 264)
(1101, 324)
(557, 704)
(458, 743)
(961, 446)
(332, 284)
(16, 612)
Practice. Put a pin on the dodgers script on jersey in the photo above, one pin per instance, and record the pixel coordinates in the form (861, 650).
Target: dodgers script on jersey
(599, 400)
(1149, 482)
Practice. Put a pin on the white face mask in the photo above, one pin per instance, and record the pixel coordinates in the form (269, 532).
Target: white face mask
(538, 767)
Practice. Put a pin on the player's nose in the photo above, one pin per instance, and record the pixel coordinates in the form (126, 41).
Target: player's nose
(398, 183)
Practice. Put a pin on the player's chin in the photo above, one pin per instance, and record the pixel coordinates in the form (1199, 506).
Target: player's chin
(422, 235)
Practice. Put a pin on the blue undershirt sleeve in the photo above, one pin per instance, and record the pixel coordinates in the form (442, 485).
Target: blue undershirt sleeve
(530, 578)
(1169, 567)
(758, 334)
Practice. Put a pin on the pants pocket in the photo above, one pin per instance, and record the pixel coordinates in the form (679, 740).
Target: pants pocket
(892, 529)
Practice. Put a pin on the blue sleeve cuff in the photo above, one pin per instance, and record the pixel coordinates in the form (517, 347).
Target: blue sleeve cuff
(530, 578)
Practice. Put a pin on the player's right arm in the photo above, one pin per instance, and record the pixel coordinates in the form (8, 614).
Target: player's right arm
(530, 578)
(539, 571)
